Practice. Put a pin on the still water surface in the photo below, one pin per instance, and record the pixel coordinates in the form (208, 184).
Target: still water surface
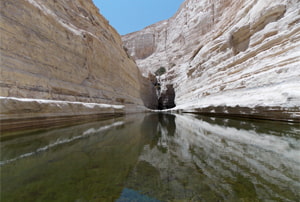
(155, 157)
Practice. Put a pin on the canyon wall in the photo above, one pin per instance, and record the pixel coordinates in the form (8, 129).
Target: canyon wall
(65, 51)
(240, 58)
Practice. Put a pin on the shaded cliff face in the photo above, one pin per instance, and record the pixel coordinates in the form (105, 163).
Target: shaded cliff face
(65, 50)
(227, 57)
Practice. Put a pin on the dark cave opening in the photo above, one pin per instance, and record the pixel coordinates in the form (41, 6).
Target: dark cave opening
(166, 99)
(165, 93)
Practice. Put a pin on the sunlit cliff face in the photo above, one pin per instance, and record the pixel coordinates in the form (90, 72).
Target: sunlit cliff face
(228, 56)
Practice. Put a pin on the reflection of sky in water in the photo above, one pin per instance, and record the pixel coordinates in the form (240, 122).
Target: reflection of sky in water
(132, 195)
(156, 157)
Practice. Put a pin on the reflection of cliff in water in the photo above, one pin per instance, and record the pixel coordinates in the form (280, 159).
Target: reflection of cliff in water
(211, 159)
(159, 127)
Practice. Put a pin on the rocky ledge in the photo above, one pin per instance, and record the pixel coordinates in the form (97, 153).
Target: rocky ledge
(22, 114)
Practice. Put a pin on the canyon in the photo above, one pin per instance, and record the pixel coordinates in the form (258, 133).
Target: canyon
(204, 106)
(62, 59)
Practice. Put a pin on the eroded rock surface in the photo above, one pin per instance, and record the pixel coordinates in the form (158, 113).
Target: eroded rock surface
(239, 57)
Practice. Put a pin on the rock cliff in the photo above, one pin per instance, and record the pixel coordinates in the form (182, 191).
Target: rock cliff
(227, 57)
(65, 50)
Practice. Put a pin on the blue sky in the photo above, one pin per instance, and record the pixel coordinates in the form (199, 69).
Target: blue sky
(132, 15)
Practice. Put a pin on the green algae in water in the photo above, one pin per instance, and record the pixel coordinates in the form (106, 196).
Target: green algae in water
(154, 157)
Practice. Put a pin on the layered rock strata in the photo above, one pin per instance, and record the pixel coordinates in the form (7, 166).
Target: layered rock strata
(65, 50)
(227, 57)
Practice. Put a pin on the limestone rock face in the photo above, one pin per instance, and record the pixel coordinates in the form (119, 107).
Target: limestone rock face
(65, 50)
(227, 57)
